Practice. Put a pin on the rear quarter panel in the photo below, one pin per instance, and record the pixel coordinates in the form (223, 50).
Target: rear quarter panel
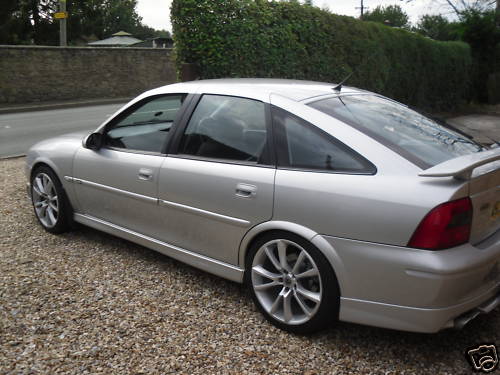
(385, 207)
(382, 208)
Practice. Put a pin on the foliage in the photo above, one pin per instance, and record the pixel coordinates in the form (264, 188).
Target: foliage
(437, 27)
(478, 29)
(27, 21)
(31, 21)
(163, 34)
(9, 25)
(100, 19)
(391, 15)
(258, 38)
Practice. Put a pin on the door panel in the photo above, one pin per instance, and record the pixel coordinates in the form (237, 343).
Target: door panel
(207, 206)
(119, 182)
(119, 187)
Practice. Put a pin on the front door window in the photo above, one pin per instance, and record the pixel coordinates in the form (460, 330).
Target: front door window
(146, 128)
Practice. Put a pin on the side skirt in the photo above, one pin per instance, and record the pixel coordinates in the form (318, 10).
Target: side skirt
(222, 269)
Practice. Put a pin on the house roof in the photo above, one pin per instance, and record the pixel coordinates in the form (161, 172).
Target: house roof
(121, 33)
(121, 38)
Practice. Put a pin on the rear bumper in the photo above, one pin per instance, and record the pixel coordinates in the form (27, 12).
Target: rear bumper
(414, 319)
(416, 290)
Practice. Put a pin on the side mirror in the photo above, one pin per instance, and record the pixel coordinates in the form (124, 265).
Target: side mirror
(94, 141)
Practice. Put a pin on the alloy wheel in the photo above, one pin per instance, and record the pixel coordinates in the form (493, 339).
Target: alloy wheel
(45, 200)
(286, 281)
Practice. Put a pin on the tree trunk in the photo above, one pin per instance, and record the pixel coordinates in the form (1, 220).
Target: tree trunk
(497, 14)
(35, 13)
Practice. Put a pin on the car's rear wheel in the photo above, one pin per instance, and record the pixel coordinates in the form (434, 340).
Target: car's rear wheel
(292, 283)
(49, 200)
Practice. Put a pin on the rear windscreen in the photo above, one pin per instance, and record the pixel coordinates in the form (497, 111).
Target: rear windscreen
(419, 139)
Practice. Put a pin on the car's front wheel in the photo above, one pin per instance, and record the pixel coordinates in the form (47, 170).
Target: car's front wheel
(49, 200)
(292, 283)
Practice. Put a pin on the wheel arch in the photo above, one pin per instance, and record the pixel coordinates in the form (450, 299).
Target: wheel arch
(308, 234)
(48, 163)
(45, 162)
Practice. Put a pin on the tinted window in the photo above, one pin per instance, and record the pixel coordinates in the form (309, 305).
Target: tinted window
(304, 146)
(224, 127)
(416, 137)
(146, 128)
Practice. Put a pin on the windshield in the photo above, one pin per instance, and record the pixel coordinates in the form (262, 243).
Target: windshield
(419, 139)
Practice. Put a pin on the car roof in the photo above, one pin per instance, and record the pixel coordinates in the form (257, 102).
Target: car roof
(256, 88)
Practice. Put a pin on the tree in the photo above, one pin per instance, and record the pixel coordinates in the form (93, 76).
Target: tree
(437, 27)
(479, 30)
(497, 15)
(11, 24)
(32, 22)
(163, 34)
(27, 21)
(460, 6)
(100, 19)
(479, 26)
(391, 15)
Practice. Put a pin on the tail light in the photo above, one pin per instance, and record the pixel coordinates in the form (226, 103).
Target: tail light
(447, 225)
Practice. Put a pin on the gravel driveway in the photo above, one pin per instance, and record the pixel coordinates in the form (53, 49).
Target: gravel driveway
(89, 303)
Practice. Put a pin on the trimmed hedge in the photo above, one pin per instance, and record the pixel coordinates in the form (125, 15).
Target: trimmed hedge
(258, 38)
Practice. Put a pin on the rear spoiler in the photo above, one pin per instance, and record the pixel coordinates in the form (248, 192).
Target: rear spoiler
(461, 168)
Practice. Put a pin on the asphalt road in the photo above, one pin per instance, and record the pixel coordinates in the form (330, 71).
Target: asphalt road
(19, 131)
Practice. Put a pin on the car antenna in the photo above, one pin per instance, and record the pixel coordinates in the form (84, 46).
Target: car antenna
(339, 86)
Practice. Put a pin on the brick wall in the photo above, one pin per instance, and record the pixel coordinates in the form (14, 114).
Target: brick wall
(38, 73)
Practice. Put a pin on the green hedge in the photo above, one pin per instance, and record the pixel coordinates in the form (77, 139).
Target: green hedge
(258, 38)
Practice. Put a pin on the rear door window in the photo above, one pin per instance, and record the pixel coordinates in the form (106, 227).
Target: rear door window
(419, 139)
(226, 128)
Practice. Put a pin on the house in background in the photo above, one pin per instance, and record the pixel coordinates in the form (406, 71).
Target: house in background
(119, 39)
(158, 42)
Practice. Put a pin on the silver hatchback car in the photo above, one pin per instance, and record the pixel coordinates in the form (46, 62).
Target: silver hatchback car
(328, 202)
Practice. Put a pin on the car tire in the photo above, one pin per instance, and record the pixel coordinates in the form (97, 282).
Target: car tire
(51, 206)
(292, 283)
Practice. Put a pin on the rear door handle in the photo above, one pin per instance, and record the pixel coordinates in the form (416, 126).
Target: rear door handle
(246, 190)
(145, 174)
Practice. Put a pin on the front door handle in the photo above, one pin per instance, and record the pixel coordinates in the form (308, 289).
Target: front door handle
(145, 174)
(246, 190)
